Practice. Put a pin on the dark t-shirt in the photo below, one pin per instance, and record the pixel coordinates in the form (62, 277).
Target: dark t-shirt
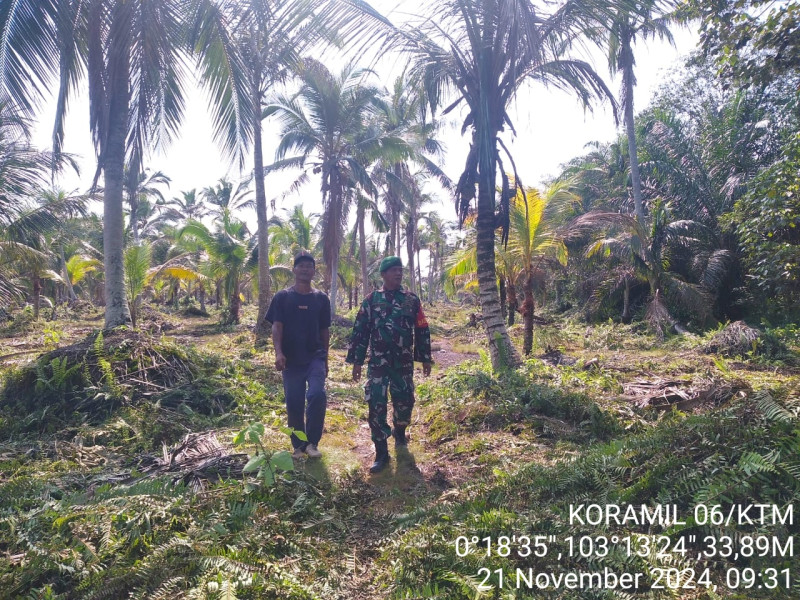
(303, 317)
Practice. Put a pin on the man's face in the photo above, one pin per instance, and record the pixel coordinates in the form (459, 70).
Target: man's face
(392, 278)
(304, 271)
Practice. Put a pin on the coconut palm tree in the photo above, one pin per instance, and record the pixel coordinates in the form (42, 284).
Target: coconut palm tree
(228, 197)
(436, 244)
(629, 23)
(415, 200)
(327, 123)
(293, 233)
(485, 50)
(140, 187)
(26, 244)
(130, 53)
(244, 48)
(228, 249)
(189, 205)
(366, 206)
(403, 112)
(81, 266)
(137, 264)
(23, 175)
(533, 241)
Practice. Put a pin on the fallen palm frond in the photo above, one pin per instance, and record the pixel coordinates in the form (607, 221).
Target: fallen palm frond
(735, 339)
(197, 459)
(665, 394)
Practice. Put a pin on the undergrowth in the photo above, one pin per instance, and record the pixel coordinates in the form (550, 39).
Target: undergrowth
(469, 398)
(745, 453)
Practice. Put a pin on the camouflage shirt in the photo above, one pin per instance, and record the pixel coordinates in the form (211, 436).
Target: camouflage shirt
(395, 324)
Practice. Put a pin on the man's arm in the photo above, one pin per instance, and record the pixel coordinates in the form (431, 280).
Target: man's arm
(422, 341)
(277, 341)
(359, 339)
(275, 316)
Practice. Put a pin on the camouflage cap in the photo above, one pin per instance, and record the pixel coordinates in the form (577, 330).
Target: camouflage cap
(389, 262)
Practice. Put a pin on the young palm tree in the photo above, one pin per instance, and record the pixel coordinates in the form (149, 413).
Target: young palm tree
(130, 54)
(137, 264)
(485, 50)
(23, 175)
(80, 266)
(533, 240)
(26, 244)
(228, 250)
(293, 233)
(646, 254)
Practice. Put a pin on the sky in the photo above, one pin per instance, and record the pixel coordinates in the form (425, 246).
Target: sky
(551, 127)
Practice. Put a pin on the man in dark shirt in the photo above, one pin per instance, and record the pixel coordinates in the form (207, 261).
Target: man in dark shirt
(392, 325)
(301, 320)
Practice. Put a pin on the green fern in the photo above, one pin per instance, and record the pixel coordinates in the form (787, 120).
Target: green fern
(772, 410)
(58, 382)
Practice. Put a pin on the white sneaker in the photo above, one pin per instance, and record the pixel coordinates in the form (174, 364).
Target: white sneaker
(313, 451)
(298, 454)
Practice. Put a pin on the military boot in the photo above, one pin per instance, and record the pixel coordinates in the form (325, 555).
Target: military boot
(399, 434)
(381, 457)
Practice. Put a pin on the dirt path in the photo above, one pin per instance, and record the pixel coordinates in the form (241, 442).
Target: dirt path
(445, 356)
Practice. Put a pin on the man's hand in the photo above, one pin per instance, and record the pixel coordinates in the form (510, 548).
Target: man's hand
(426, 369)
(280, 361)
(356, 372)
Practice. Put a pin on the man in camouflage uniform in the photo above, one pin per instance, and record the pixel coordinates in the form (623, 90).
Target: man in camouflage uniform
(391, 323)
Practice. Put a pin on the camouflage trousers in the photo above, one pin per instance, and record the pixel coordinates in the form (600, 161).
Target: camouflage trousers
(377, 389)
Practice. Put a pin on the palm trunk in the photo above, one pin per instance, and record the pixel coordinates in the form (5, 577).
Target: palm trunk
(412, 272)
(134, 204)
(334, 281)
(527, 315)
(37, 294)
(626, 302)
(135, 310)
(431, 270)
(419, 272)
(117, 312)
(627, 83)
(233, 314)
(503, 303)
(512, 302)
(501, 350)
(264, 291)
(362, 250)
(332, 234)
(70, 290)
